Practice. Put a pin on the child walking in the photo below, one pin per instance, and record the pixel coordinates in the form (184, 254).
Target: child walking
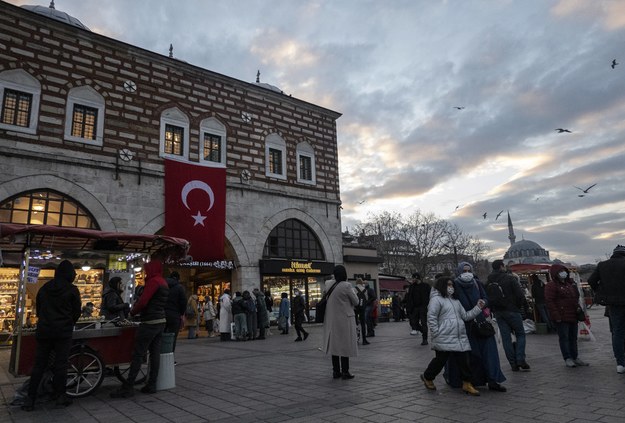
(448, 334)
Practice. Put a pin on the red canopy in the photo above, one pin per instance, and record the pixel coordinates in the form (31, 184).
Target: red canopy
(14, 236)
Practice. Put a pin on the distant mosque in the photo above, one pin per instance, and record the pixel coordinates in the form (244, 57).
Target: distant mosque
(524, 251)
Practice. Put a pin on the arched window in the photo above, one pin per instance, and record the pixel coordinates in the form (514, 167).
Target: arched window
(275, 156)
(84, 116)
(212, 142)
(174, 134)
(305, 164)
(46, 207)
(20, 93)
(293, 239)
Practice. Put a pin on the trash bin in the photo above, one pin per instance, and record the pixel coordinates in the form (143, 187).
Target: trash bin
(166, 369)
(167, 342)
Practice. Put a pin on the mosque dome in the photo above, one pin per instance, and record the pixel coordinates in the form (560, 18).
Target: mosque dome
(526, 251)
(269, 87)
(57, 15)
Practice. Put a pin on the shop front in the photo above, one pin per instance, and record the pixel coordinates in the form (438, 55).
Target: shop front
(278, 276)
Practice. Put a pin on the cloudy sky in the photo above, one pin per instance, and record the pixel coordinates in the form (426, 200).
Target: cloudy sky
(396, 70)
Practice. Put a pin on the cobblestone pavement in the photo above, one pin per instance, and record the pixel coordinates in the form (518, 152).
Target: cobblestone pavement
(278, 380)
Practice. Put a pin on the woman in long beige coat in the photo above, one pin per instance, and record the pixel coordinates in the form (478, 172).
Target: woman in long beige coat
(191, 321)
(339, 327)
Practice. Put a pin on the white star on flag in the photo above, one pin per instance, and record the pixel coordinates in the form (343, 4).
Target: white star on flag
(199, 219)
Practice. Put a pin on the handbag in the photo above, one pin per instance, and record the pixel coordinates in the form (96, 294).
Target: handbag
(483, 328)
(581, 316)
(320, 308)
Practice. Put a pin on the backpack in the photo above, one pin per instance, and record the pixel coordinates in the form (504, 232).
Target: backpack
(496, 297)
(190, 311)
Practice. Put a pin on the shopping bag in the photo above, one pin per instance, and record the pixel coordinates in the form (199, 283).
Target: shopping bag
(584, 332)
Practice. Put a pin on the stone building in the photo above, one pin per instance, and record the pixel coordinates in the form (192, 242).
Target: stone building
(87, 122)
(524, 251)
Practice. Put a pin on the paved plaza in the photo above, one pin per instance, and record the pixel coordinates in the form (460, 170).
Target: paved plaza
(278, 380)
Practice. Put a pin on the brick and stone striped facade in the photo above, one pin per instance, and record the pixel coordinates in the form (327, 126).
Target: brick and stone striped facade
(129, 196)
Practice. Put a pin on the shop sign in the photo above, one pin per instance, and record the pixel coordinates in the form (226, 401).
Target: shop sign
(32, 275)
(296, 267)
(216, 264)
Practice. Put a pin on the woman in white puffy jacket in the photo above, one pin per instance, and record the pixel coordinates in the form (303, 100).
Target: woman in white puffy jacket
(448, 334)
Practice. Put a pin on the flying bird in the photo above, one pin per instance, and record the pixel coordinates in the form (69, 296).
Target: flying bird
(484, 215)
(561, 130)
(360, 202)
(585, 191)
(498, 214)
(459, 107)
(614, 63)
(457, 207)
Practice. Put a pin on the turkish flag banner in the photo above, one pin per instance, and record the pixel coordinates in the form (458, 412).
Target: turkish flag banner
(195, 207)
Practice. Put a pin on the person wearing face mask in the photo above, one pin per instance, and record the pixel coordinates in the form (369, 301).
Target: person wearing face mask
(417, 300)
(484, 355)
(562, 298)
(448, 335)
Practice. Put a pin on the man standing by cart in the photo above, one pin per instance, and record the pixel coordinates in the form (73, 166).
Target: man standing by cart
(58, 309)
(151, 308)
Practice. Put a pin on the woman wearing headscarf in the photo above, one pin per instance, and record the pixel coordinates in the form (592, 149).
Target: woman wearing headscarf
(113, 305)
(484, 356)
(339, 326)
(562, 298)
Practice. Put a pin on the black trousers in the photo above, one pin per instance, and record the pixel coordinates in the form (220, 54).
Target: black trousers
(438, 362)
(340, 364)
(60, 348)
(172, 325)
(299, 319)
(147, 338)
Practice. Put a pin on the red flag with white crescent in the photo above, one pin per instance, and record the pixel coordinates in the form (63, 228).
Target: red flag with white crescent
(195, 207)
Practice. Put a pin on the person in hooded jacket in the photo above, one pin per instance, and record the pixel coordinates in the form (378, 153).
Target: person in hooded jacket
(58, 308)
(262, 314)
(484, 355)
(339, 326)
(151, 308)
(175, 306)
(448, 335)
(562, 298)
(113, 306)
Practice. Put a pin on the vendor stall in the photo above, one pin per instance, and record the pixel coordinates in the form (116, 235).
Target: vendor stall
(30, 253)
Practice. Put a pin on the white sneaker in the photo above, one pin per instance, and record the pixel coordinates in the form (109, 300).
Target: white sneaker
(620, 369)
(413, 332)
(579, 362)
(570, 363)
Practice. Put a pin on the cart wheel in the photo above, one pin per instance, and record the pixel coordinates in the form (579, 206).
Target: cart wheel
(85, 372)
(121, 371)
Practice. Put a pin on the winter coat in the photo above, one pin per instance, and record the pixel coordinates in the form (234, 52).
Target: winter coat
(209, 310)
(261, 308)
(339, 326)
(561, 297)
(446, 318)
(191, 321)
(113, 305)
(514, 297)
(58, 304)
(239, 306)
(608, 280)
(298, 307)
(151, 303)
(225, 313)
(284, 308)
(176, 301)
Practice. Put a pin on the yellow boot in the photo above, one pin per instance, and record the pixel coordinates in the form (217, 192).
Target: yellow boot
(468, 388)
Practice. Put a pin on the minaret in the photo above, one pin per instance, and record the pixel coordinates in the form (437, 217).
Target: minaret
(511, 235)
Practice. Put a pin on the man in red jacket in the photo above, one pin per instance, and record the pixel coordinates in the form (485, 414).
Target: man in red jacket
(151, 308)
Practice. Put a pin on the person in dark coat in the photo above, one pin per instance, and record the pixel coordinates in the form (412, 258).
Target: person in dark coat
(175, 306)
(562, 297)
(151, 307)
(58, 308)
(113, 306)
(417, 300)
(262, 314)
(538, 293)
(484, 355)
(608, 283)
(299, 309)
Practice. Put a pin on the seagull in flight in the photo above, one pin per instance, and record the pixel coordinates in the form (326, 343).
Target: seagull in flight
(498, 214)
(457, 207)
(484, 215)
(459, 107)
(585, 191)
(561, 130)
(614, 63)
(361, 202)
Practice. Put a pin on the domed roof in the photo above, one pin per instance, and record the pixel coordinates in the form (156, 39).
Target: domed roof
(57, 15)
(524, 244)
(269, 87)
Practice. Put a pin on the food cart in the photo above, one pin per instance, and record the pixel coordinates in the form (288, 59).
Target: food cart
(99, 346)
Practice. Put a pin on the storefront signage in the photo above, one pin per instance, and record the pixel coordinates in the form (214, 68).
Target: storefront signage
(295, 267)
(33, 274)
(217, 264)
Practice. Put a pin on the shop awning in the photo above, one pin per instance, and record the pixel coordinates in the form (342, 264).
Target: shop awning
(393, 284)
(14, 236)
